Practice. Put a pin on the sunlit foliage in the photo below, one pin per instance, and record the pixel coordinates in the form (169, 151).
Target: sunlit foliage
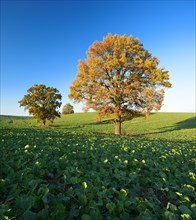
(113, 76)
(42, 102)
(67, 109)
(152, 99)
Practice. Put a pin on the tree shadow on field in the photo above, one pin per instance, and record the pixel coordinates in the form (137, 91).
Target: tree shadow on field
(186, 124)
(69, 128)
(111, 120)
(189, 123)
(101, 122)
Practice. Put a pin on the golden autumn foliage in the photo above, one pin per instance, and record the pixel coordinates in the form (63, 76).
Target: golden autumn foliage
(151, 99)
(113, 76)
(42, 102)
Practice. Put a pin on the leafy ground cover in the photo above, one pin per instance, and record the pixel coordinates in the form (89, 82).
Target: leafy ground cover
(74, 172)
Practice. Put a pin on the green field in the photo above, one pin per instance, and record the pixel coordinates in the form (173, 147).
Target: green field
(77, 168)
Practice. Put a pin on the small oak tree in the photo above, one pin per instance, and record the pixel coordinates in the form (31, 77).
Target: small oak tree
(113, 76)
(152, 99)
(42, 102)
(67, 109)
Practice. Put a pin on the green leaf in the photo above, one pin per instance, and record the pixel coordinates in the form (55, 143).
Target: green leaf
(83, 199)
(119, 206)
(66, 200)
(185, 217)
(84, 184)
(111, 206)
(171, 207)
(193, 208)
(28, 215)
(123, 193)
(185, 210)
(59, 212)
(43, 214)
(179, 194)
(74, 211)
(146, 215)
(2, 182)
(74, 180)
(171, 216)
(86, 217)
(45, 198)
(95, 215)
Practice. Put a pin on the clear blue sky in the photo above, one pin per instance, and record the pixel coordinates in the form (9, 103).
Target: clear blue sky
(42, 41)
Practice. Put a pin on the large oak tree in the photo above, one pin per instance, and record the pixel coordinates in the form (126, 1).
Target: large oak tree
(42, 102)
(113, 76)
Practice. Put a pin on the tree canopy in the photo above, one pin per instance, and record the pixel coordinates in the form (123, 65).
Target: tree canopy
(42, 102)
(152, 99)
(114, 75)
(67, 109)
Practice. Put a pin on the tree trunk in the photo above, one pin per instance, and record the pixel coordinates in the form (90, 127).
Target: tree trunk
(117, 124)
(44, 122)
(147, 115)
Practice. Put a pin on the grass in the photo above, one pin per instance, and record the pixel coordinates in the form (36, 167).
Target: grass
(179, 126)
(78, 169)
